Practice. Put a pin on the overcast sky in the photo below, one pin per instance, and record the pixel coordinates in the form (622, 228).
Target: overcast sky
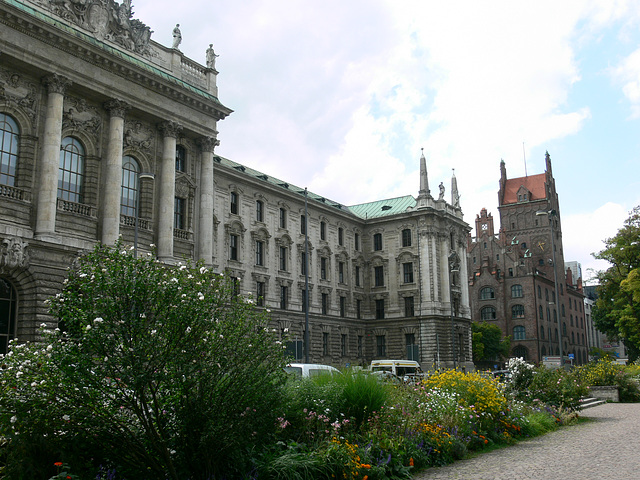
(340, 96)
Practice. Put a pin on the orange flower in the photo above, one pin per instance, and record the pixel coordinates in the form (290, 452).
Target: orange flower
(411, 462)
(58, 464)
(365, 465)
(366, 477)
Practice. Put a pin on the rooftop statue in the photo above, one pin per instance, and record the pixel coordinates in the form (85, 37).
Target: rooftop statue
(211, 57)
(177, 36)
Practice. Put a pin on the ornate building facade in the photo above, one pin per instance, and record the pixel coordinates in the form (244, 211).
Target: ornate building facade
(518, 272)
(108, 134)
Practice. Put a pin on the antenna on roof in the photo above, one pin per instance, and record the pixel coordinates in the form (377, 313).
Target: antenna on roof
(524, 156)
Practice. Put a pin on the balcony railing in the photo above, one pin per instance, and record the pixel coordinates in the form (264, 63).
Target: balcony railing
(76, 208)
(13, 192)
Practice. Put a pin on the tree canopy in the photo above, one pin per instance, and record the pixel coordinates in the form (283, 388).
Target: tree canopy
(488, 344)
(617, 309)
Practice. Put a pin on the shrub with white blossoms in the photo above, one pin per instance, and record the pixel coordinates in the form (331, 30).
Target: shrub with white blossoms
(141, 376)
(521, 373)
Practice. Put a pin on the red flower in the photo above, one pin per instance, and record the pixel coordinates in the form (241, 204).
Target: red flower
(58, 464)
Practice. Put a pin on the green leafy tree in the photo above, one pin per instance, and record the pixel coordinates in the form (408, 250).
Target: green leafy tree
(617, 309)
(161, 371)
(488, 344)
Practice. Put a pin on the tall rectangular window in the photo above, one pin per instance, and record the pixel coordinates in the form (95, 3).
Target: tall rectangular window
(340, 236)
(233, 247)
(259, 252)
(378, 276)
(181, 157)
(381, 346)
(357, 275)
(179, 213)
(377, 241)
(407, 271)
(358, 308)
(283, 218)
(343, 344)
(323, 230)
(323, 268)
(325, 343)
(303, 224)
(343, 306)
(259, 211)
(283, 258)
(380, 309)
(408, 307)
(260, 292)
(341, 272)
(360, 345)
(234, 203)
(284, 297)
(406, 237)
(325, 303)
(304, 300)
(303, 263)
(356, 241)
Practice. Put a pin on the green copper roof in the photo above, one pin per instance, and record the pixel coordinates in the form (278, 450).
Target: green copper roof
(383, 208)
(112, 50)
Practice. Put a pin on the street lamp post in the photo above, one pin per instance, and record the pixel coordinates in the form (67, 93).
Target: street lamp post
(139, 177)
(551, 214)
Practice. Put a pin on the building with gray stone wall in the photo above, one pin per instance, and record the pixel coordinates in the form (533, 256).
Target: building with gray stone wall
(115, 137)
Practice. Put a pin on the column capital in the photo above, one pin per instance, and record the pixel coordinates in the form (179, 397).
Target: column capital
(170, 129)
(117, 108)
(56, 83)
(207, 144)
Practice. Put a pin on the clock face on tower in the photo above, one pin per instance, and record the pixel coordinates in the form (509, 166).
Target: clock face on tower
(485, 226)
(540, 246)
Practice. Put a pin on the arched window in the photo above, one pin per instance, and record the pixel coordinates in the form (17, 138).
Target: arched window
(130, 179)
(521, 352)
(541, 332)
(9, 142)
(517, 311)
(519, 333)
(543, 351)
(71, 173)
(406, 237)
(487, 293)
(539, 292)
(516, 291)
(8, 307)
(540, 312)
(488, 313)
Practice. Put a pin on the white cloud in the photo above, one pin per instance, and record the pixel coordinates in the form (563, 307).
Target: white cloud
(584, 233)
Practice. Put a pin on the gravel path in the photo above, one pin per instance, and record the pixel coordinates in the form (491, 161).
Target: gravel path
(608, 447)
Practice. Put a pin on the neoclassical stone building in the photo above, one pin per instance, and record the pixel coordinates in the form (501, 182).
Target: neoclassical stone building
(101, 125)
(516, 278)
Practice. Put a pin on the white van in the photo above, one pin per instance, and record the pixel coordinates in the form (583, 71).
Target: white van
(306, 370)
(402, 369)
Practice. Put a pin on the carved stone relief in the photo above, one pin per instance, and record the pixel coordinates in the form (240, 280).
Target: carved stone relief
(15, 90)
(78, 116)
(106, 20)
(138, 136)
(13, 254)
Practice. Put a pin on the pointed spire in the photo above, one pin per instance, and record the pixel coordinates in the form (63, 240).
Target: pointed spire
(424, 181)
(547, 161)
(455, 196)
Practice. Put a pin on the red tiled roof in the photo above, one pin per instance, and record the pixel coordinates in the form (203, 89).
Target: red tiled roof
(533, 183)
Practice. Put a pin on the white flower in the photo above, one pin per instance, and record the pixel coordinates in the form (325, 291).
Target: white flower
(203, 270)
(152, 245)
(98, 320)
(286, 330)
(87, 328)
(221, 336)
(82, 275)
(200, 296)
(14, 419)
(183, 267)
(188, 329)
(66, 418)
(49, 348)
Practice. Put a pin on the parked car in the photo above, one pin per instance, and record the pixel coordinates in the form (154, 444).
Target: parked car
(406, 370)
(306, 370)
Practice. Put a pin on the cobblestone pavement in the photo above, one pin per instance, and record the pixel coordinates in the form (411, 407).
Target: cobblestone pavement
(606, 448)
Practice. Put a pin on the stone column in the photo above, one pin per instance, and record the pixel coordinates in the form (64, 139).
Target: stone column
(50, 160)
(205, 233)
(167, 186)
(113, 171)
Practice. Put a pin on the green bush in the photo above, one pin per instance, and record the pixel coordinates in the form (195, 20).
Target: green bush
(160, 371)
(605, 372)
(557, 388)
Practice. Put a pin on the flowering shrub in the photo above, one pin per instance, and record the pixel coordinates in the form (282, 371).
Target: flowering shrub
(521, 373)
(605, 372)
(161, 371)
